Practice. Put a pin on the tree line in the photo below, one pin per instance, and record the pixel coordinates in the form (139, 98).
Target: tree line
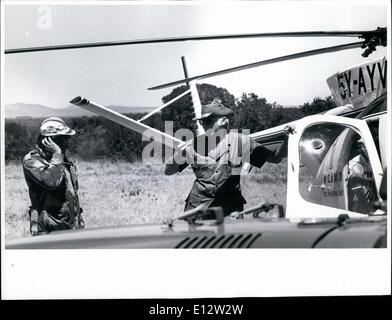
(99, 138)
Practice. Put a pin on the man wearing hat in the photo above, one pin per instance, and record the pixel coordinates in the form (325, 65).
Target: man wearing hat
(52, 180)
(218, 159)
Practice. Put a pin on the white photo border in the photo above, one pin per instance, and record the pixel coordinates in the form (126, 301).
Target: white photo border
(167, 273)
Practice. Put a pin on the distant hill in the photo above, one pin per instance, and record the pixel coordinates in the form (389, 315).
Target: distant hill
(39, 111)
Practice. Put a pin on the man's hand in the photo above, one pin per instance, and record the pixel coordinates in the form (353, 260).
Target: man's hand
(190, 155)
(51, 145)
(185, 153)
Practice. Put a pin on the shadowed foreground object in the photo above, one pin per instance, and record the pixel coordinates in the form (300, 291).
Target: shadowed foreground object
(238, 234)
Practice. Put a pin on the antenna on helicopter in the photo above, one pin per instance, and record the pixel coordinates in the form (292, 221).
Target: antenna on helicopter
(195, 96)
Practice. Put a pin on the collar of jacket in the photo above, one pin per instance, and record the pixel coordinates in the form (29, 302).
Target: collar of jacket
(48, 156)
(42, 153)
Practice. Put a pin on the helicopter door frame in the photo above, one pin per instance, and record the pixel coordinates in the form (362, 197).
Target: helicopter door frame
(297, 206)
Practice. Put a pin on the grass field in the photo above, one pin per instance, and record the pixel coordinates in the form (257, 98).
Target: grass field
(121, 193)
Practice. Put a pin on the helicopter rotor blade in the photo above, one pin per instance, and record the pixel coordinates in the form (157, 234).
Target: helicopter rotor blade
(195, 38)
(126, 122)
(263, 63)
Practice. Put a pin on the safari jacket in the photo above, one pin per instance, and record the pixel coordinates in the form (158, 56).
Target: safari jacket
(218, 172)
(53, 191)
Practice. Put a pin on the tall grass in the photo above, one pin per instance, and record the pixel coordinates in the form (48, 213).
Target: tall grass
(121, 193)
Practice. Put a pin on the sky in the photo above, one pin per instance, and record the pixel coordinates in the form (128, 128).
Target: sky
(121, 75)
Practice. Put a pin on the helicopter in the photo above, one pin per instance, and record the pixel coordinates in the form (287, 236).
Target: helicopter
(336, 172)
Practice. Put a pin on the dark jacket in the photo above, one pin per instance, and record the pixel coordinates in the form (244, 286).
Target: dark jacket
(218, 178)
(53, 191)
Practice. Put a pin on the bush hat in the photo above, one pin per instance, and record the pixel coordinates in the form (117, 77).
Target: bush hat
(54, 126)
(216, 108)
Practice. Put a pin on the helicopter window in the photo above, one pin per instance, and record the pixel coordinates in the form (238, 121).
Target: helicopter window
(335, 170)
(374, 130)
